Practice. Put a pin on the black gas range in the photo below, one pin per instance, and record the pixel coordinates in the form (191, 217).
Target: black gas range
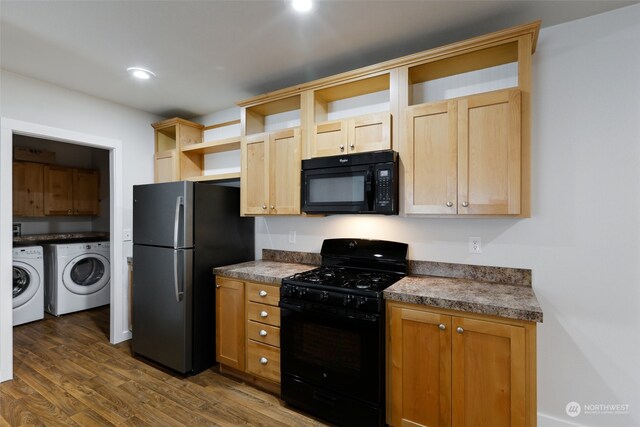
(332, 331)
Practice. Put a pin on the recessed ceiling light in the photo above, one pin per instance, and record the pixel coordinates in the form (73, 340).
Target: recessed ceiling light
(302, 5)
(140, 73)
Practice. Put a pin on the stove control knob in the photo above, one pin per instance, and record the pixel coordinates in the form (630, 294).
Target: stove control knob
(324, 296)
(348, 299)
(302, 292)
(285, 291)
(360, 301)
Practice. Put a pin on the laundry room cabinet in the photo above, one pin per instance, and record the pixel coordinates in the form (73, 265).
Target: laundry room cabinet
(46, 190)
(28, 189)
(71, 191)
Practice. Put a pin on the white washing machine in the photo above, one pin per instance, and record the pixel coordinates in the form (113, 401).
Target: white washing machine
(78, 277)
(28, 284)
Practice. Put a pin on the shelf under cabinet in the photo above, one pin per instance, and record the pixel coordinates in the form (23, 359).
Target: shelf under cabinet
(217, 146)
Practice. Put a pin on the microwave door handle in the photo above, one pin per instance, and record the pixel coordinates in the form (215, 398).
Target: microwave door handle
(369, 189)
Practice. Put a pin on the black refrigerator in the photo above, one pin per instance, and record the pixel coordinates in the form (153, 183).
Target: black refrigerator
(181, 231)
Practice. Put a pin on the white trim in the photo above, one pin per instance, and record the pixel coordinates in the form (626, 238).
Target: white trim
(119, 329)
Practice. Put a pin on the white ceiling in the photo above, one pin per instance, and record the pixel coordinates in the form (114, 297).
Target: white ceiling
(210, 54)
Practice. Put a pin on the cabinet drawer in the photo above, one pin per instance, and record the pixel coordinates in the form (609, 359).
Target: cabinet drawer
(263, 360)
(264, 294)
(263, 313)
(262, 333)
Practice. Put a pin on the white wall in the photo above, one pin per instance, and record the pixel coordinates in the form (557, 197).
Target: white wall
(583, 239)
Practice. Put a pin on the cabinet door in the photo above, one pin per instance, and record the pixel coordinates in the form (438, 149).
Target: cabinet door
(489, 153)
(254, 181)
(430, 163)
(420, 368)
(488, 373)
(285, 166)
(28, 195)
(167, 167)
(86, 192)
(58, 190)
(369, 133)
(230, 322)
(330, 138)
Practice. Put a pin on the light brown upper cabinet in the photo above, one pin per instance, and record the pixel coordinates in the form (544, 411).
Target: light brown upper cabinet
(370, 132)
(270, 180)
(69, 191)
(458, 115)
(171, 136)
(463, 155)
(271, 158)
(353, 132)
(28, 189)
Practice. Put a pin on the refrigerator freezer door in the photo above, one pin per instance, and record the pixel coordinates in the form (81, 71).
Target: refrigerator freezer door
(162, 306)
(163, 214)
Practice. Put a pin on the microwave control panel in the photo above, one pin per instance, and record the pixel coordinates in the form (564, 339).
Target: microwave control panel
(386, 188)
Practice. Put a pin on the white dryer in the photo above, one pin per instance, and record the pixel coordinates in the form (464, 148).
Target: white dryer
(78, 276)
(28, 284)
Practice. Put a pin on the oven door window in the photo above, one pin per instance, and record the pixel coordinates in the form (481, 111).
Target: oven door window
(346, 189)
(331, 349)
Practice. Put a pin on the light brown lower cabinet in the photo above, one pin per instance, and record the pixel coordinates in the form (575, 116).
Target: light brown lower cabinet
(248, 329)
(447, 368)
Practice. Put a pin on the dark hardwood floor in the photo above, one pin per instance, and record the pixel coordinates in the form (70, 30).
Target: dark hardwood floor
(66, 373)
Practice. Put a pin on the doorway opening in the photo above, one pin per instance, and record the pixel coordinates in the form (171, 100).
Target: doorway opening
(108, 154)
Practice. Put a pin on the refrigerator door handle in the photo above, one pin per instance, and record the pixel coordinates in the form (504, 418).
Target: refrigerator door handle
(176, 223)
(175, 276)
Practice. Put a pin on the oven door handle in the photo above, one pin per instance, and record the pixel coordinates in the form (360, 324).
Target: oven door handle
(298, 308)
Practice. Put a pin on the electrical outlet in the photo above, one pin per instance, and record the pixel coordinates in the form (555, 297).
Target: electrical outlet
(475, 245)
(126, 234)
(292, 236)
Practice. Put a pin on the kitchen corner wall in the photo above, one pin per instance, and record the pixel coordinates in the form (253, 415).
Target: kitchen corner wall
(583, 239)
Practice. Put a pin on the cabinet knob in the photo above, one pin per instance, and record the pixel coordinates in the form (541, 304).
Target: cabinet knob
(262, 293)
(459, 330)
(263, 333)
(449, 204)
(442, 326)
(272, 207)
(465, 204)
(263, 360)
(263, 314)
(217, 286)
(352, 146)
(264, 206)
(341, 147)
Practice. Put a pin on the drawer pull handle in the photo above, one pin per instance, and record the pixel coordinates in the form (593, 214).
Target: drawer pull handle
(263, 333)
(262, 293)
(263, 314)
(263, 360)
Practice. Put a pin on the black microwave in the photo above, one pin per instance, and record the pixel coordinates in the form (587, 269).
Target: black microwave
(365, 183)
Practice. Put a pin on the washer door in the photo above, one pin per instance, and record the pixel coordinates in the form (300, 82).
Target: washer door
(86, 274)
(26, 282)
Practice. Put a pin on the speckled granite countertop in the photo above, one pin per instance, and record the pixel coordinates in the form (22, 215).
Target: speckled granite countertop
(510, 301)
(498, 291)
(60, 237)
(264, 271)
